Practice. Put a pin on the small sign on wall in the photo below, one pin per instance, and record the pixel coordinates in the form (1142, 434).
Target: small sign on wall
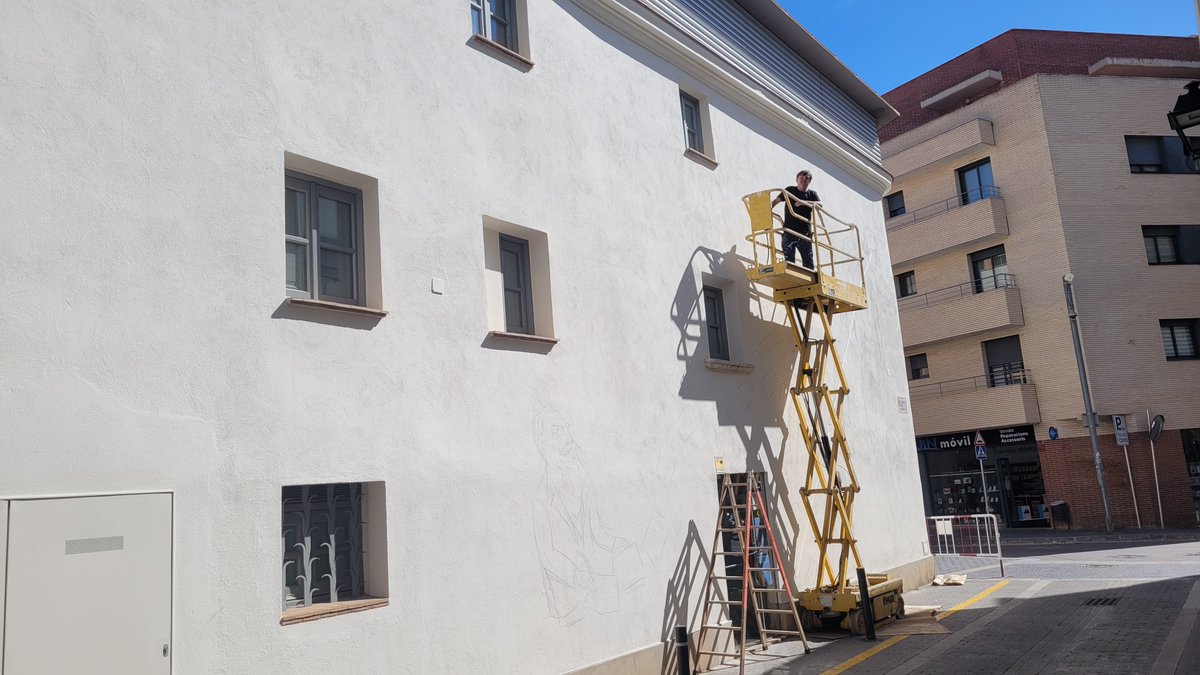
(719, 463)
(902, 405)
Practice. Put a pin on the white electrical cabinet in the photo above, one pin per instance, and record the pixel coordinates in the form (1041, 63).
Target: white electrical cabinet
(88, 586)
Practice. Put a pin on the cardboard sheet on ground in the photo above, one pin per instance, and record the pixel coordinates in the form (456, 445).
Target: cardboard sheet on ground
(950, 580)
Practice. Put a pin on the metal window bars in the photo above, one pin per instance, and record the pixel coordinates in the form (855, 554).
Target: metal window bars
(321, 544)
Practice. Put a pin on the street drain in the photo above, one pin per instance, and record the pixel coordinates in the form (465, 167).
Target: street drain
(1100, 602)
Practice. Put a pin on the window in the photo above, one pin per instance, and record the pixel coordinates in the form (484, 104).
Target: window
(518, 286)
(989, 269)
(1156, 154)
(714, 319)
(334, 548)
(893, 204)
(1172, 244)
(918, 367)
(323, 233)
(1179, 338)
(1005, 363)
(906, 284)
(496, 20)
(975, 182)
(693, 124)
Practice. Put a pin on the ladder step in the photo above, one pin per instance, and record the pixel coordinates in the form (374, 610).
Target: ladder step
(779, 632)
(764, 569)
(724, 602)
(775, 611)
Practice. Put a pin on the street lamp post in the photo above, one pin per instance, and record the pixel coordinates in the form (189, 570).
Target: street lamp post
(1068, 280)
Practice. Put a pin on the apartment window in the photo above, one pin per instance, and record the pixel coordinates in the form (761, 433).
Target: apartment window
(1005, 363)
(496, 20)
(693, 123)
(324, 233)
(918, 366)
(975, 182)
(518, 285)
(894, 204)
(906, 284)
(714, 319)
(333, 546)
(1156, 154)
(1179, 338)
(989, 269)
(1172, 244)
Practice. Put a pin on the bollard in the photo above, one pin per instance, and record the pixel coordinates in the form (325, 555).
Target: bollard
(866, 606)
(682, 658)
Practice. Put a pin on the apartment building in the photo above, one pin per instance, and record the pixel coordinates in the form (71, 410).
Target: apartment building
(401, 337)
(1036, 155)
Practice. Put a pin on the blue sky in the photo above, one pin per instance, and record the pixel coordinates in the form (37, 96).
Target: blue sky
(888, 42)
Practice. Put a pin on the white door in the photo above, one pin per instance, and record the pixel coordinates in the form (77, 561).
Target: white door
(89, 586)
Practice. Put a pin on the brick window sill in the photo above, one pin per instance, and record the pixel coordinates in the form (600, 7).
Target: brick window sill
(504, 52)
(723, 366)
(326, 610)
(337, 307)
(522, 337)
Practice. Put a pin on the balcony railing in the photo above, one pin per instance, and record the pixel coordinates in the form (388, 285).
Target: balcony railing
(998, 376)
(981, 285)
(959, 200)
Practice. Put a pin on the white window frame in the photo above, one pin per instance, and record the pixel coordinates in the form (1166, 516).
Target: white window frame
(489, 17)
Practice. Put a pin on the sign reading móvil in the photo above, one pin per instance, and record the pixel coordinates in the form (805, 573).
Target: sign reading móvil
(997, 439)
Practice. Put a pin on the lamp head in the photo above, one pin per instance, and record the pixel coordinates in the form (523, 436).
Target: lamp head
(1068, 278)
(1187, 108)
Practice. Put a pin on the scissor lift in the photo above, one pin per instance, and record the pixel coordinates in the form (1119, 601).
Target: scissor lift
(812, 297)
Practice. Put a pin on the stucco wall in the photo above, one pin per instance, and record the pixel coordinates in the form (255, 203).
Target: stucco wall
(545, 510)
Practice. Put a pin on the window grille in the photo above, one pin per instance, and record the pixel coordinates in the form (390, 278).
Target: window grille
(322, 544)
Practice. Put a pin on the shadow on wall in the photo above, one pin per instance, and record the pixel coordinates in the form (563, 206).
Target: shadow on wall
(755, 403)
(679, 608)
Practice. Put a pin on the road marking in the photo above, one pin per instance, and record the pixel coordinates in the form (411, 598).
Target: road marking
(847, 665)
(890, 642)
(942, 646)
(1172, 651)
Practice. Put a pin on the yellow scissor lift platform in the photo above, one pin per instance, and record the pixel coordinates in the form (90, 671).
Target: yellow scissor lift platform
(812, 297)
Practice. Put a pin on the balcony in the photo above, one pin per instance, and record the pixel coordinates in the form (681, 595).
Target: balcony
(967, 220)
(1004, 397)
(941, 150)
(966, 309)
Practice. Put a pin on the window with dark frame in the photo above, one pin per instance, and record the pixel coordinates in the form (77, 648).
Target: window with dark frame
(1172, 244)
(1156, 154)
(496, 20)
(918, 367)
(693, 129)
(906, 284)
(1005, 362)
(518, 286)
(1179, 338)
(323, 240)
(714, 319)
(894, 204)
(989, 269)
(322, 544)
(975, 182)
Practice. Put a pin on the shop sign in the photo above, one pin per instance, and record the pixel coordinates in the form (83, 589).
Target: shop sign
(992, 438)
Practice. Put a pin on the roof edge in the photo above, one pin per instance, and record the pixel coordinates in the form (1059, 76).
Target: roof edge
(784, 26)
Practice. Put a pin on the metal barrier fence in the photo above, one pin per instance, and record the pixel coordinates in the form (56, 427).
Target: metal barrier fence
(976, 536)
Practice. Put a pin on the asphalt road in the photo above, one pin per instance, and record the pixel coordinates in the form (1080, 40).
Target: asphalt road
(1061, 609)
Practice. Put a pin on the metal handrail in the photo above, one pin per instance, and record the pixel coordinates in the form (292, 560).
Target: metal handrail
(957, 201)
(826, 257)
(951, 293)
(988, 381)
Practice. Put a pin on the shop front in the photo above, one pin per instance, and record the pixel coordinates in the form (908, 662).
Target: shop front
(980, 471)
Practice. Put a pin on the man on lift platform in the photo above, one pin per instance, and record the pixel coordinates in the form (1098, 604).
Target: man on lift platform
(797, 217)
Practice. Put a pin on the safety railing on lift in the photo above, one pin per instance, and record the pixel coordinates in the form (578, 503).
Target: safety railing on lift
(837, 251)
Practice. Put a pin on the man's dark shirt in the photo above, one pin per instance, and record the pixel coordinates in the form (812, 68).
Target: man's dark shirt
(804, 210)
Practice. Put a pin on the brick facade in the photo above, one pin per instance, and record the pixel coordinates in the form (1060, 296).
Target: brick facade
(1017, 54)
(1069, 474)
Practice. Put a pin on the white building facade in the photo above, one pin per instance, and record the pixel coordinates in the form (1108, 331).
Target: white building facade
(468, 351)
